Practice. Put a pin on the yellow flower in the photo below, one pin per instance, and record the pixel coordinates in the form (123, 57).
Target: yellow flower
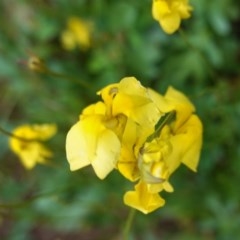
(142, 199)
(187, 128)
(78, 33)
(142, 134)
(26, 143)
(178, 141)
(170, 12)
(96, 138)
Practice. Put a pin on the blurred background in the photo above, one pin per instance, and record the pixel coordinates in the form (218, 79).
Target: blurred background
(121, 39)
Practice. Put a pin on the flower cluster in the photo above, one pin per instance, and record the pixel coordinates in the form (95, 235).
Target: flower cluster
(78, 33)
(26, 143)
(170, 12)
(142, 134)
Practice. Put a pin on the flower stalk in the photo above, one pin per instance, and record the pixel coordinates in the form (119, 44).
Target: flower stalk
(128, 224)
(37, 65)
(9, 134)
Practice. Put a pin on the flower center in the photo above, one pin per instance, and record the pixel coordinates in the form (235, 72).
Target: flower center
(116, 124)
(152, 160)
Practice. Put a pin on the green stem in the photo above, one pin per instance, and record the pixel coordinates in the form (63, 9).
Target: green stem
(22, 203)
(66, 77)
(126, 230)
(9, 134)
(39, 66)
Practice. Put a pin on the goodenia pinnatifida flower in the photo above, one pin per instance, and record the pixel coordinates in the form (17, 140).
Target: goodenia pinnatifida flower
(27, 143)
(142, 134)
(169, 13)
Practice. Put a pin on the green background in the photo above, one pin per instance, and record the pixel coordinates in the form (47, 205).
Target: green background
(50, 202)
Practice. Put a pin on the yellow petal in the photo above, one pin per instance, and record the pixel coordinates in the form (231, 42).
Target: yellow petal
(44, 131)
(160, 101)
(159, 9)
(36, 131)
(168, 187)
(127, 164)
(107, 153)
(156, 188)
(31, 151)
(177, 97)
(90, 142)
(77, 148)
(169, 13)
(168, 17)
(192, 138)
(131, 86)
(133, 100)
(126, 104)
(183, 8)
(97, 108)
(108, 93)
(139, 109)
(170, 23)
(68, 40)
(80, 30)
(186, 145)
(127, 86)
(142, 200)
(182, 106)
(33, 154)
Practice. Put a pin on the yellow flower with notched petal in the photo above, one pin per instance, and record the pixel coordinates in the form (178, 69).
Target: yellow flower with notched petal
(26, 143)
(170, 12)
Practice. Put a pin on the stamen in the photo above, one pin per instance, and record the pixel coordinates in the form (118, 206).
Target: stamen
(113, 91)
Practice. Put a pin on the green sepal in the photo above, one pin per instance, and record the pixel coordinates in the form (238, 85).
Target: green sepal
(168, 118)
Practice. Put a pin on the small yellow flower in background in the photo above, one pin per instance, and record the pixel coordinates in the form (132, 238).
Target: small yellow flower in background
(144, 135)
(78, 33)
(170, 12)
(26, 143)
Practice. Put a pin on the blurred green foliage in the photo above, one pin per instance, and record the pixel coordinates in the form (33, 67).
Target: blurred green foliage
(202, 60)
